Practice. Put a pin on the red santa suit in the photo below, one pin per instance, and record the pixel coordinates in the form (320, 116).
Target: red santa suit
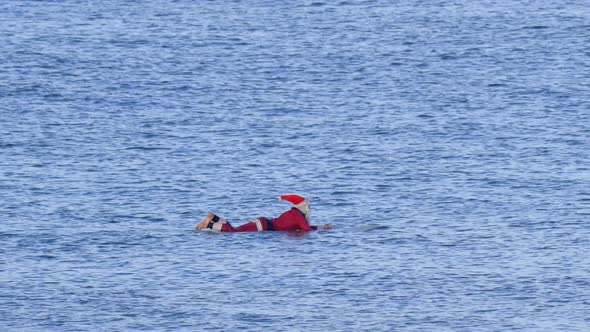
(296, 219)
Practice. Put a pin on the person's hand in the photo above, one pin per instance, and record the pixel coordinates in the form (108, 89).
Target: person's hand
(328, 227)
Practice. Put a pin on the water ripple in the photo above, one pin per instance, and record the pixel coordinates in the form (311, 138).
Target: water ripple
(446, 142)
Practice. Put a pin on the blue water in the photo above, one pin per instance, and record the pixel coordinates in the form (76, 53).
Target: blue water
(446, 141)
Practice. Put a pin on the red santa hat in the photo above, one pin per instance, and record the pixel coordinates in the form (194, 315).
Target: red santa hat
(301, 203)
(295, 199)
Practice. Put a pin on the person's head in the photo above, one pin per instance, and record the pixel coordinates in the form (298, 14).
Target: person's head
(300, 203)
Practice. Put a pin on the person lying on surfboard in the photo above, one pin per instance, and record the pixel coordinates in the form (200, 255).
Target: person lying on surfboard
(296, 219)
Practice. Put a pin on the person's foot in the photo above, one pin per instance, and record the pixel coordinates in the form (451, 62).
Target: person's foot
(205, 222)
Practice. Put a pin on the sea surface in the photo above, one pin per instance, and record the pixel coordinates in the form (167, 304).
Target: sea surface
(447, 142)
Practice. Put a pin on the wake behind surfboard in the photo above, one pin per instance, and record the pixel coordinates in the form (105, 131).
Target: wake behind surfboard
(368, 228)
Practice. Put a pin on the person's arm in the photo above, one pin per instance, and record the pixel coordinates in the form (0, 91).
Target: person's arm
(304, 226)
(325, 227)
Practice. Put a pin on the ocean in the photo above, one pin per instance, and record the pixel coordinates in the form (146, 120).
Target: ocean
(447, 142)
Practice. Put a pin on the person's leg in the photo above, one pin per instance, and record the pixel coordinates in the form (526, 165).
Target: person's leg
(247, 227)
(215, 223)
(205, 222)
(222, 225)
(218, 224)
(256, 225)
